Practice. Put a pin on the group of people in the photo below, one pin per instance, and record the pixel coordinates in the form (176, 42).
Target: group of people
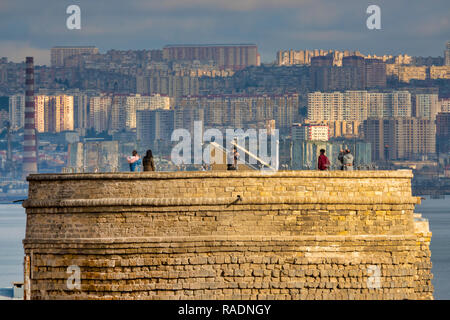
(135, 161)
(148, 163)
(345, 158)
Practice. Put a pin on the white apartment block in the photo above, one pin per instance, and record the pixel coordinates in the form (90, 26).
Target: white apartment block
(444, 105)
(99, 112)
(310, 132)
(54, 113)
(238, 110)
(137, 102)
(325, 106)
(17, 111)
(357, 105)
(118, 112)
(427, 106)
(80, 111)
(400, 104)
(377, 101)
(65, 107)
(40, 104)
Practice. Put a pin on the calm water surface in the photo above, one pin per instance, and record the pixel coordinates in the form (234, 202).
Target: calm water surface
(437, 211)
(12, 232)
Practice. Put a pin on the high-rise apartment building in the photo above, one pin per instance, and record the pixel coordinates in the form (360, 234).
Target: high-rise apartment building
(398, 138)
(310, 132)
(376, 104)
(398, 104)
(356, 73)
(118, 112)
(170, 85)
(439, 72)
(65, 105)
(240, 111)
(389, 104)
(325, 106)
(125, 106)
(322, 74)
(357, 105)
(54, 113)
(427, 106)
(444, 105)
(185, 118)
(60, 53)
(225, 56)
(443, 132)
(41, 112)
(137, 102)
(408, 73)
(17, 111)
(100, 112)
(375, 72)
(376, 131)
(80, 111)
(305, 57)
(153, 126)
(322, 61)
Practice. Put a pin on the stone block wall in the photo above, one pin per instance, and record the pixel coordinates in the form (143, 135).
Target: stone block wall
(226, 235)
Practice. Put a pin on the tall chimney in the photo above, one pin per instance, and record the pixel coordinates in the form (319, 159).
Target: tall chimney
(29, 143)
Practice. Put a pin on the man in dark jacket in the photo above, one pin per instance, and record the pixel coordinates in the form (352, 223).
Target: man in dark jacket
(341, 159)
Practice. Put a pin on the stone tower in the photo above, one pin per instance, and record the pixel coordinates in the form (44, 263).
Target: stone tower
(226, 235)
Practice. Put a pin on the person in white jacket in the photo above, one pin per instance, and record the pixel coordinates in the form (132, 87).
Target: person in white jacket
(134, 161)
(348, 160)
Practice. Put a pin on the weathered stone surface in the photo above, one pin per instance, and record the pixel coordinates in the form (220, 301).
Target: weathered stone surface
(186, 235)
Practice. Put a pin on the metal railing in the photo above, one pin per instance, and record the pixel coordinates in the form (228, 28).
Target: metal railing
(251, 165)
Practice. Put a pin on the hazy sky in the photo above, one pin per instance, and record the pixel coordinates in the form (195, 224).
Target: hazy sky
(415, 27)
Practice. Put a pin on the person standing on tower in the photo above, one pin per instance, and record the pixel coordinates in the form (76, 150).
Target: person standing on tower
(323, 162)
(348, 160)
(134, 161)
(149, 164)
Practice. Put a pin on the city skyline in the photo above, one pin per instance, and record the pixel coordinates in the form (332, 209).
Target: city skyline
(413, 28)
